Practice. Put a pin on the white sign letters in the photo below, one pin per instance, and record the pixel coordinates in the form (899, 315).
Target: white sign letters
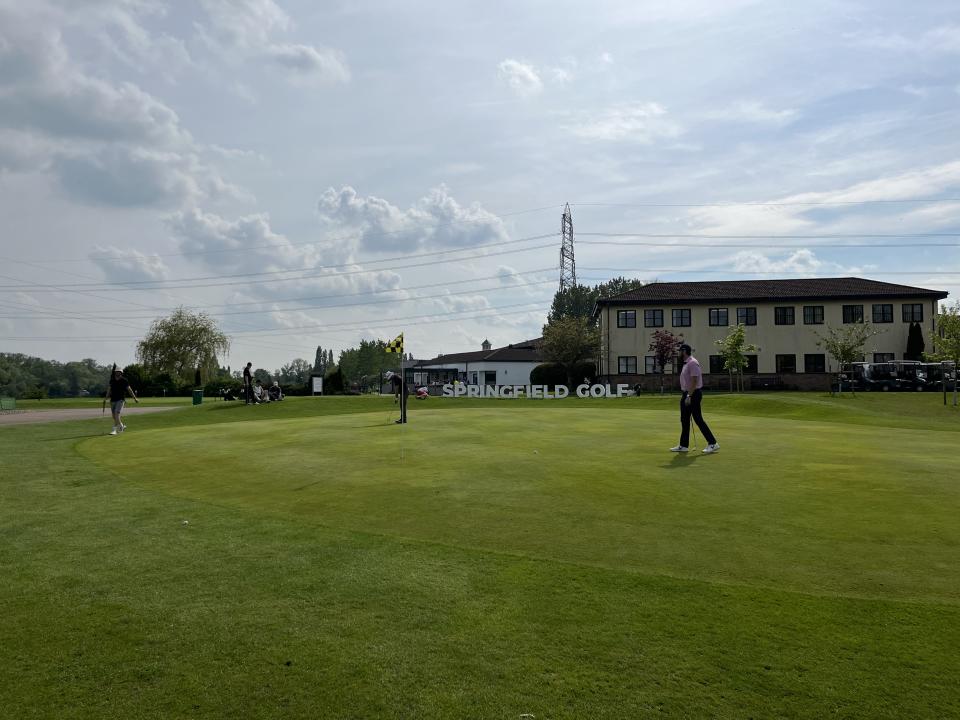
(533, 392)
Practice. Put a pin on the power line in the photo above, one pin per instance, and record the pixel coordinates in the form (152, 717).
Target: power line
(674, 271)
(379, 323)
(825, 236)
(141, 285)
(333, 296)
(337, 238)
(811, 203)
(721, 246)
(331, 306)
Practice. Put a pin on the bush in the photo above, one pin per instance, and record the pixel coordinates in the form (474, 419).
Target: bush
(550, 374)
(333, 382)
(583, 370)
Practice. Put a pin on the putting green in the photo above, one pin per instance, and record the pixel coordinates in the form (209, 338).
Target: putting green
(818, 507)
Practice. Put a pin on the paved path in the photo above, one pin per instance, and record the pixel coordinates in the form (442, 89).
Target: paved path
(43, 416)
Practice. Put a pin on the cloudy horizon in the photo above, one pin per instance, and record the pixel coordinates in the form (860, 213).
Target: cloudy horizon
(317, 174)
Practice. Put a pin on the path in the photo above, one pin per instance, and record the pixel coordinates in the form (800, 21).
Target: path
(42, 416)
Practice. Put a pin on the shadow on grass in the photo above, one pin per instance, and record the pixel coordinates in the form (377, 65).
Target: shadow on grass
(61, 438)
(682, 460)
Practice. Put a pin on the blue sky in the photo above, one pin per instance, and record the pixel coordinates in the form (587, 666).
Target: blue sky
(317, 173)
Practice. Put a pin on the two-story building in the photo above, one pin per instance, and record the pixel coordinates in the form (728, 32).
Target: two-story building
(781, 317)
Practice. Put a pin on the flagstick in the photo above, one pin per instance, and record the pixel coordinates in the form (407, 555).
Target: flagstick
(403, 400)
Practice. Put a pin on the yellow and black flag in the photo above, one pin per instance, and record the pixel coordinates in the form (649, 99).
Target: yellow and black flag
(396, 345)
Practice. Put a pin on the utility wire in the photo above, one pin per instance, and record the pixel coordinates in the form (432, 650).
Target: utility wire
(141, 285)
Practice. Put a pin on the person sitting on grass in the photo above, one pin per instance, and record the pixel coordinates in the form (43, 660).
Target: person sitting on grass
(260, 395)
(275, 392)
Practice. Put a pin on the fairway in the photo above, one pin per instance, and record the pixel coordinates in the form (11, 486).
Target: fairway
(492, 558)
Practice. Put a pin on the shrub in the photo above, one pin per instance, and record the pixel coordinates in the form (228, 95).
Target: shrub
(550, 374)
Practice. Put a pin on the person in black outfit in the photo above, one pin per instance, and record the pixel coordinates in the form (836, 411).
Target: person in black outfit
(400, 389)
(119, 387)
(248, 384)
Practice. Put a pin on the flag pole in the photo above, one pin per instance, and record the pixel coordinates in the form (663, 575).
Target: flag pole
(403, 398)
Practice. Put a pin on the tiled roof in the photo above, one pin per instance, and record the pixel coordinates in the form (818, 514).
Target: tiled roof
(743, 290)
(525, 351)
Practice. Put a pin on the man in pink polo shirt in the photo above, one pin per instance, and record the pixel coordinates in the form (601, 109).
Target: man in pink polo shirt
(691, 383)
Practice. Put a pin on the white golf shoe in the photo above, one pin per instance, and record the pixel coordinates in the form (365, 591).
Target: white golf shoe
(679, 448)
(122, 427)
(114, 431)
(711, 449)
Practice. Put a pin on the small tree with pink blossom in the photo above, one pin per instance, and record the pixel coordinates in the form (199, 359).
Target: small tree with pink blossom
(663, 345)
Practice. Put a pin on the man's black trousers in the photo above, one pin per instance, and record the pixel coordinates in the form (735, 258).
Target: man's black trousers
(693, 410)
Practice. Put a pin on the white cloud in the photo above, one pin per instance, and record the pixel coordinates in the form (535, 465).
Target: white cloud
(508, 277)
(521, 77)
(801, 261)
(944, 39)
(249, 245)
(41, 90)
(306, 61)
(560, 75)
(106, 143)
(246, 31)
(752, 111)
(435, 220)
(247, 24)
(641, 123)
(606, 58)
(128, 265)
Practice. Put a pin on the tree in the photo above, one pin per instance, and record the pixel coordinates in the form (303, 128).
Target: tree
(915, 343)
(181, 343)
(617, 286)
(732, 349)
(320, 361)
(296, 372)
(579, 300)
(568, 342)
(573, 302)
(845, 344)
(663, 345)
(946, 345)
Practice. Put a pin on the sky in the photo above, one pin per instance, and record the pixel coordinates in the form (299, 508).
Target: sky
(320, 173)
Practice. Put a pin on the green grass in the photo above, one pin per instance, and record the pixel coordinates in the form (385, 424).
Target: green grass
(96, 402)
(807, 570)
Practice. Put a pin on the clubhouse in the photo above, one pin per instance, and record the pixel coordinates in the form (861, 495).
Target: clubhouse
(781, 318)
(508, 365)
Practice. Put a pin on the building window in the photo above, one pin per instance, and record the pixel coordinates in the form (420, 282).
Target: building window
(653, 318)
(747, 316)
(883, 357)
(751, 366)
(783, 316)
(627, 365)
(814, 363)
(716, 364)
(718, 317)
(786, 363)
(883, 313)
(813, 314)
(650, 366)
(681, 318)
(626, 318)
(912, 312)
(853, 314)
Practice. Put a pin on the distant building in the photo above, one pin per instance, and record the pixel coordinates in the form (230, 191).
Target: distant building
(510, 365)
(781, 318)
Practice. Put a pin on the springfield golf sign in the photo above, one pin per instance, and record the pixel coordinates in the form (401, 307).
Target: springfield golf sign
(534, 392)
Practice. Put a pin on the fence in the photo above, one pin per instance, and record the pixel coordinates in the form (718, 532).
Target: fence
(7, 403)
